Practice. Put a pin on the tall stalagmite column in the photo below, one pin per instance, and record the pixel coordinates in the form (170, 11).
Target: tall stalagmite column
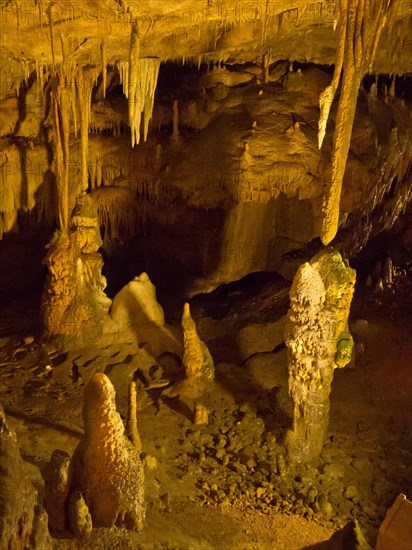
(318, 341)
(74, 306)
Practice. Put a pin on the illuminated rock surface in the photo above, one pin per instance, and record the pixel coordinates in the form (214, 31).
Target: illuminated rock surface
(318, 340)
(23, 523)
(107, 470)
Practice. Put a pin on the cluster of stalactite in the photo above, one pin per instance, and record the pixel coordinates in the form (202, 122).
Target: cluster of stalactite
(361, 23)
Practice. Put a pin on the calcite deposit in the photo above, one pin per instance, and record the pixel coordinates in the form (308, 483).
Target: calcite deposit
(138, 317)
(318, 341)
(107, 469)
(23, 522)
(57, 482)
(197, 361)
(74, 306)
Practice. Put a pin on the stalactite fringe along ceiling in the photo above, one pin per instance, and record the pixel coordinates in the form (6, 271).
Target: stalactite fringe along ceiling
(76, 54)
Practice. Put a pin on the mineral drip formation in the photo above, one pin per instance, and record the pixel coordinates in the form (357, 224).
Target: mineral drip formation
(361, 24)
(318, 341)
(74, 306)
(197, 361)
(140, 86)
(107, 469)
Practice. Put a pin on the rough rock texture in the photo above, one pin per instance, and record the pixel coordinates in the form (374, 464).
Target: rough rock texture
(138, 316)
(79, 516)
(198, 123)
(57, 481)
(197, 361)
(107, 470)
(74, 306)
(318, 341)
(23, 523)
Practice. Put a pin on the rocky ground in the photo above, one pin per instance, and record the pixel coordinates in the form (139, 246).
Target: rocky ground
(227, 484)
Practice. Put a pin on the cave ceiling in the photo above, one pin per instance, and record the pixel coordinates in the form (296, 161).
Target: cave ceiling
(198, 30)
(291, 118)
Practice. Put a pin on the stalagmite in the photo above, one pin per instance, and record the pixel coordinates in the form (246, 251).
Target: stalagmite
(107, 469)
(197, 361)
(57, 480)
(361, 25)
(131, 426)
(318, 341)
(74, 305)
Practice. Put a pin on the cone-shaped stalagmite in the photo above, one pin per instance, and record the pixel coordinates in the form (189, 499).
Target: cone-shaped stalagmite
(107, 469)
(318, 341)
(198, 362)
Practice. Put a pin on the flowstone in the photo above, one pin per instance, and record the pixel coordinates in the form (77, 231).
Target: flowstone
(74, 306)
(107, 469)
(318, 341)
(138, 317)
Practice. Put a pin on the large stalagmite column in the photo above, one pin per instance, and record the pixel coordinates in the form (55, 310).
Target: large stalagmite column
(74, 306)
(318, 341)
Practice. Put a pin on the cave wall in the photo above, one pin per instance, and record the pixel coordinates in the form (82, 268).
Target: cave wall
(229, 179)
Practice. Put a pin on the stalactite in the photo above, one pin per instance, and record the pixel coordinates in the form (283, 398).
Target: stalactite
(49, 12)
(360, 28)
(103, 51)
(85, 79)
(61, 125)
(123, 67)
(134, 54)
(142, 82)
(326, 97)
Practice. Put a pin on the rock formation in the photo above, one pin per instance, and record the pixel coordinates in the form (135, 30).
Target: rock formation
(318, 341)
(74, 306)
(85, 107)
(107, 469)
(138, 316)
(80, 520)
(23, 523)
(197, 361)
(57, 482)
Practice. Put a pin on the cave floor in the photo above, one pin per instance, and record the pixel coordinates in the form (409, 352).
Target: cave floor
(215, 486)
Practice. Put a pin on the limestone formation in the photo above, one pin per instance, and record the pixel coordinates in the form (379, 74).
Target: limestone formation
(131, 426)
(57, 481)
(23, 523)
(79, 516)
(107, 469)
(197, 361)
(138, 316)
(74, 306)
(360, 30)
(318, 341)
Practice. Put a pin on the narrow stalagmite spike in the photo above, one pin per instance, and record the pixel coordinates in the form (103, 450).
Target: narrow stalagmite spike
(131, 425)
